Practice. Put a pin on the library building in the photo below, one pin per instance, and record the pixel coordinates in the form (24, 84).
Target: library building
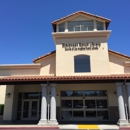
(82, 80)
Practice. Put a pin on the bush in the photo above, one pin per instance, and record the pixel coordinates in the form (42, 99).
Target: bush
(1, 109)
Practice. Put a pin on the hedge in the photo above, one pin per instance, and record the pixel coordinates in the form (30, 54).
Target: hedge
(1, 109)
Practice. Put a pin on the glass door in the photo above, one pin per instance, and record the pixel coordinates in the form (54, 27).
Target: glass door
(30, 110)
(34, 111)
(25, 110)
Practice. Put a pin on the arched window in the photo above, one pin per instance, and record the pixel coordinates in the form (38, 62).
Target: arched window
(82, 63)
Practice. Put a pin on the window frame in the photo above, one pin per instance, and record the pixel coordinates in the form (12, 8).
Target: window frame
(85, 61)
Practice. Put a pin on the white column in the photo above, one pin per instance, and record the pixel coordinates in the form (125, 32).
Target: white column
(53, 120)
(128, 94)
(43, 120)
(122, 116)
(95, 25)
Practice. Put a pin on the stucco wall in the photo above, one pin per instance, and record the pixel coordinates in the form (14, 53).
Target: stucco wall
(48, 65)
(2, 93)
(117, 65)
(98, 58)
(11, 72)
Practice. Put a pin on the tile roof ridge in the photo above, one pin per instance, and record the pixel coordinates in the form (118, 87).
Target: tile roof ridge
(118, 53)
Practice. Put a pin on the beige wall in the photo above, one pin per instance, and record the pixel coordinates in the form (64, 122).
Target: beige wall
(98, 58)
(8, 108)
(111, 88)
(11, 72)
(117, 65)
(48, 65)
(2, 93)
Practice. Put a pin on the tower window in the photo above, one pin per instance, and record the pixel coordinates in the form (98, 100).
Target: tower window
(82, 63)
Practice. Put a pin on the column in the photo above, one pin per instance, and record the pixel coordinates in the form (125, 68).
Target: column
(53, 120)
(128, 95)
(95, 25)
(43, 120)
(122, 116)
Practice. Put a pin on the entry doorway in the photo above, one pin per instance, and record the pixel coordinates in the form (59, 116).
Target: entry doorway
(30, 109)
(29, 106)
(84, 105)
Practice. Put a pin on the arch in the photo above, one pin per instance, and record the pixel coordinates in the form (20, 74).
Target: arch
(82, 63)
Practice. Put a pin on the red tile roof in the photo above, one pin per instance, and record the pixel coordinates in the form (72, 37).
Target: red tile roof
(46, 55)
(83, 13)
(119, 54)
(64, 78)
(53, 52)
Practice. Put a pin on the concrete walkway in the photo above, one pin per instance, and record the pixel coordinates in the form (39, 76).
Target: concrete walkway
(89, 127)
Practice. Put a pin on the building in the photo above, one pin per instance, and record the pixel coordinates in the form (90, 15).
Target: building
(81, 81)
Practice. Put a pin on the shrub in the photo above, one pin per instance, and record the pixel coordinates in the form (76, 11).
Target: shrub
(1, 109)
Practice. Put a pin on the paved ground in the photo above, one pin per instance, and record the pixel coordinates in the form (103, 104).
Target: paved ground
(64, 127)
(89, 127)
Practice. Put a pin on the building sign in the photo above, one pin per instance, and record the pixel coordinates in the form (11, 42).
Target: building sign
(80, 46)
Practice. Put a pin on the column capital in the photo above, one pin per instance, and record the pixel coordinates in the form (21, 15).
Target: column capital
(127, 84)
(53, 84)
(119, 84)
(43, 85)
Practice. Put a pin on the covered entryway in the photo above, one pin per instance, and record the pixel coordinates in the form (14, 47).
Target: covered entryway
(91, 105)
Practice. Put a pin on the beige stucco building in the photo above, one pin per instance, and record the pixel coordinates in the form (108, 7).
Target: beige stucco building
(81, 81)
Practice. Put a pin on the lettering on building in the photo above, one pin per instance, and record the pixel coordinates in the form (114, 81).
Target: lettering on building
(81, 46)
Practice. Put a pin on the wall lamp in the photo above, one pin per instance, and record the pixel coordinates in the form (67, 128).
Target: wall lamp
(8, 95)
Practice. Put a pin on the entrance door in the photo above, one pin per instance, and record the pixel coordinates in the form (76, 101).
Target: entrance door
(84, 105)
(30, 110)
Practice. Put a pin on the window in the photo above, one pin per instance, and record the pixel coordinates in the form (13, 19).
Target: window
(99, 26)
(62, 27)
(80, 25)
(82, 63)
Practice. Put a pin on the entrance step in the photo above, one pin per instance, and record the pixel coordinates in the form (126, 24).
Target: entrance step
(15, 127)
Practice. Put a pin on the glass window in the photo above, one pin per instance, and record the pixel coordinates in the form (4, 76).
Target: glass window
(62, 27)
(31, 95)
(90, 114)
(19, 107)
(95, 93)
(78, 114)
(99, 26)
(101, 103)
(80, 25)
(66, 93)
(66, 103)
(82, 63)
(77, 103)
(77, 93)
(90, 104)
(66, 115)
(20, 96)
(102, 114)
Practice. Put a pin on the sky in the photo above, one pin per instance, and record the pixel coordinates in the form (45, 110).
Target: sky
(26, 29)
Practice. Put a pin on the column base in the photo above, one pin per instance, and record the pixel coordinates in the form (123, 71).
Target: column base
(53, 122)
(123, 122)
(43, 122)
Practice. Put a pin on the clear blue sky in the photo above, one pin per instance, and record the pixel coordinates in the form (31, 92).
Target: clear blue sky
(25, 25)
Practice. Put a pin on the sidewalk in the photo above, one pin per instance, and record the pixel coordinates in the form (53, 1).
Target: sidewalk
(89, 127)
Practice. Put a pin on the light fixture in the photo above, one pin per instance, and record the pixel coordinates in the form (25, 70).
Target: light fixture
(8, 95)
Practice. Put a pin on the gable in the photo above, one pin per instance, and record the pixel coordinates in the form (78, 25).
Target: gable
(80, 13)
(117, 63)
